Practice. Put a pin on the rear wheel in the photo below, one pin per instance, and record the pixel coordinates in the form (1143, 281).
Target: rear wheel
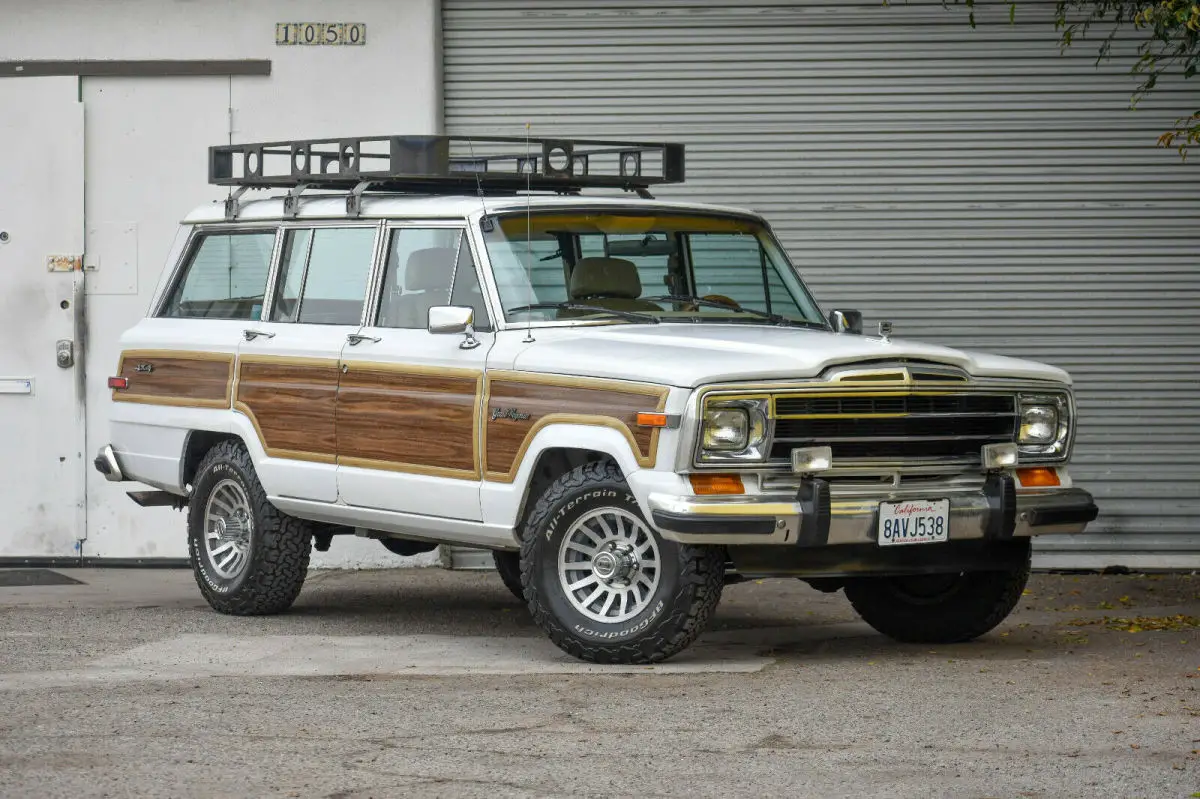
(249, 559)
(508, 566)
(602, 583)
(937, 608)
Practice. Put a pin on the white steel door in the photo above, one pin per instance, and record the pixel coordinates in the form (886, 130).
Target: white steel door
(42, 459)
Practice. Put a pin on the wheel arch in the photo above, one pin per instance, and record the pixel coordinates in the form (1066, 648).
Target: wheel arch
(556, 450)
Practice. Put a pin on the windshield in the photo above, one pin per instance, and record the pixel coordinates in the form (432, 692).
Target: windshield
(561, 265)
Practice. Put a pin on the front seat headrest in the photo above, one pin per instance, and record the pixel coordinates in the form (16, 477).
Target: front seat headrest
(605, 277)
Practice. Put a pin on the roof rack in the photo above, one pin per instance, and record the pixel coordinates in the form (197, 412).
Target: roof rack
(442, 165)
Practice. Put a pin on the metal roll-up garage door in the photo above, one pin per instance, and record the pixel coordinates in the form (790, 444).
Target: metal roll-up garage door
(973, 186)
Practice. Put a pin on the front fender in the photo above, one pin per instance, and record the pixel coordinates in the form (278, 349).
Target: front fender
(502, 501)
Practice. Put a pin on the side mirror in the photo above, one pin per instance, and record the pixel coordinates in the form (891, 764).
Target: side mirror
(844, 321)
(454, 319)
(450, 318)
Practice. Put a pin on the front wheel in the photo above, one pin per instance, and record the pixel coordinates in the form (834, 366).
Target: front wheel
(937, 608)
(249, 558)
(602, 583)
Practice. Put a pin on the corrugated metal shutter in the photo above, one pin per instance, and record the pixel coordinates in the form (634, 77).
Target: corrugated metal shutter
(973, 186)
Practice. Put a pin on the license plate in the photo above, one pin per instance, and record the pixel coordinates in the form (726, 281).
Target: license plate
(920, 521)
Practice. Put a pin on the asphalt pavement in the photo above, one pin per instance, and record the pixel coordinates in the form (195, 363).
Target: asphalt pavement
(423, 682)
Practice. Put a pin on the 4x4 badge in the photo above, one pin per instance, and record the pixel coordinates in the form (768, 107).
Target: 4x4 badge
(508, 413)
(144, 367)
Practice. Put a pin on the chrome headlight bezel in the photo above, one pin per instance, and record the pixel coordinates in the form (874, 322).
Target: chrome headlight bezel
(756, 446)
(1056, 409)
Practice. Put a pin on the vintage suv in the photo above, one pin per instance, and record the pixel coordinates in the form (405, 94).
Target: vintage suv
(630, 402)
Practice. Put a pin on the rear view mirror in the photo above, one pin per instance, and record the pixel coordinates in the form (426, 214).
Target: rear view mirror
(846, 321)
(640, 247)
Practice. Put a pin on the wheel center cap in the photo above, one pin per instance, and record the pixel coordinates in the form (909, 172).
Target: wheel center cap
(220, 527)
(615, 565)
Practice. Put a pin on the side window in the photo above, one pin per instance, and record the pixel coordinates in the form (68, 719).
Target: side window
(467, 290)
(420, 266)
(225, 277)
(291, 280)
(732, 266)
(324, 276)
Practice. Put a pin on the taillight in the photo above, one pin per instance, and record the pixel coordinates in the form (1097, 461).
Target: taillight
(118, 383)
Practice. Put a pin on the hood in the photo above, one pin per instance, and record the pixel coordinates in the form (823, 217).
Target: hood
(689, 355)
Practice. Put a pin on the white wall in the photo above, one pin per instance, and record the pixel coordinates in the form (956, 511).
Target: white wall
(145, 153)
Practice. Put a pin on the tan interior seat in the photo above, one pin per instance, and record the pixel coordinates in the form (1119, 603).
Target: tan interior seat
(423, 284)
(609, 283)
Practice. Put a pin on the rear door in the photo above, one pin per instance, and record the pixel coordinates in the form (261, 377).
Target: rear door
(289, 365)
(41, 255)
(409, 403)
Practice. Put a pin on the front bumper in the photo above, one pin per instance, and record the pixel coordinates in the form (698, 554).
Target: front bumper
(993, 511)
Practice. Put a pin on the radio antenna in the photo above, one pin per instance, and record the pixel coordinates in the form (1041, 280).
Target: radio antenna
(528, 239)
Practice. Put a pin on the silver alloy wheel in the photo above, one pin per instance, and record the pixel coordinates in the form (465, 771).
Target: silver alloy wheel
(609, 565)
(228, 527)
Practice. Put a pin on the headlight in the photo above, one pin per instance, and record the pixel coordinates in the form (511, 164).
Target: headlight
(734, 430)
(726, 429)
(1045, 431)
(1039, 424)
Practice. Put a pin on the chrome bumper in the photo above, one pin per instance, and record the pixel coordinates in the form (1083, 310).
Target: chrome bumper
(780, 519)
(106, 463)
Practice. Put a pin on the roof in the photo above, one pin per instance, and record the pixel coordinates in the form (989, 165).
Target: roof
(386, 206)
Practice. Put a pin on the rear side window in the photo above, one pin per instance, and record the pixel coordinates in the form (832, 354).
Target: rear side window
(225, 277)
(324, 276)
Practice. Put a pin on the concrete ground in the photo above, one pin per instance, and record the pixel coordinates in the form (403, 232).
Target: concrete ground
(422, 682)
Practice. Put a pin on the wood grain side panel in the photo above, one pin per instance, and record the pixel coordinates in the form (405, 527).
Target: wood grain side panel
(417, 421)
(291, 403)
(578, 402)
(199, 379)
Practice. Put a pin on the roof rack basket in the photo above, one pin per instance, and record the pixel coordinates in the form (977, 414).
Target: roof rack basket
(447, 164)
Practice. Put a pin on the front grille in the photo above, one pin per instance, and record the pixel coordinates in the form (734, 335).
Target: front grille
(894, 427)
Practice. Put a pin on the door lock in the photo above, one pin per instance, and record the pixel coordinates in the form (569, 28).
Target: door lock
(64, 353)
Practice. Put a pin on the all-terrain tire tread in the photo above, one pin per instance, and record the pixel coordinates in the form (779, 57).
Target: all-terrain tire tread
(279, 559)
(701, 579)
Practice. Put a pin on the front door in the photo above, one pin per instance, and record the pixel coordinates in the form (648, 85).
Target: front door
(409, 402)
(289, 365)
(42, 472)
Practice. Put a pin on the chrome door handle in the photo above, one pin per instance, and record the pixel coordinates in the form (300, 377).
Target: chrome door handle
(250, 335)
(357, 338)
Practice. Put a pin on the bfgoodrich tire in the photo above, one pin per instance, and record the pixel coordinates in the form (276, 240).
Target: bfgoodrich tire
(249, 558)
(938, 608)
(602, 583)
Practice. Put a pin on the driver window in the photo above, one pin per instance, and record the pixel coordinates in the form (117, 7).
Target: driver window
(420, 266)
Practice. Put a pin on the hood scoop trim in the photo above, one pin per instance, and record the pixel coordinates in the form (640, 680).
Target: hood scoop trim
(905, 374)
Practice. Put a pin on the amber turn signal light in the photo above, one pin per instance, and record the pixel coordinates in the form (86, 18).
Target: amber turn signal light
(1040, 477)
(118, 382)
(717, 484)
(652, 419)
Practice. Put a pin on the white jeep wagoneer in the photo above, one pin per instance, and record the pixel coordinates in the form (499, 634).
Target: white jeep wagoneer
(632, 403)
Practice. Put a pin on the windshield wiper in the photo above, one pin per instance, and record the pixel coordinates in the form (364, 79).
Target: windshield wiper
(771, 317)
(632, 316)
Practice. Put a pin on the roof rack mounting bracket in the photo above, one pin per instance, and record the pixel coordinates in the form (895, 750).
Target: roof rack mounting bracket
(354, 200)
(231, 203)
(291, 203)
(644, 193)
